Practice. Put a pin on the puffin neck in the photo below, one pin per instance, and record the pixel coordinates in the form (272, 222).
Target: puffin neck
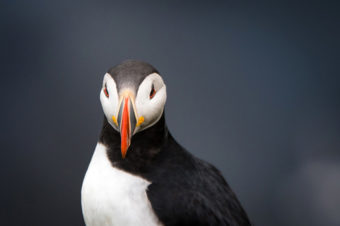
(145, 145)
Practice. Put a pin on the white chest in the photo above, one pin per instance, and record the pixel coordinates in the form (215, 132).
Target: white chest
(110, 196)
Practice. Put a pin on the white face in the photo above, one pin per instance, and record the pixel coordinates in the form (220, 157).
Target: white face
(148, 103)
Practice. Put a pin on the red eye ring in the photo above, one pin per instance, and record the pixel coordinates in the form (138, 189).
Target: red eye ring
(153, 92)
(106, 92)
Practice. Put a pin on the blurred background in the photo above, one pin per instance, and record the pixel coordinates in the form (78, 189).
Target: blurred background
(253, 87)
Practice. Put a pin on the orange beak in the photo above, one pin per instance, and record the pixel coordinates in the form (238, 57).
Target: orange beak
(127, 120)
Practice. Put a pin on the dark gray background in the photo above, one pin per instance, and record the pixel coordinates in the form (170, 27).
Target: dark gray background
(252, 88)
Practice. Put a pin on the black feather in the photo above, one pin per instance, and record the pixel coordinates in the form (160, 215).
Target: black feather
(185, 190)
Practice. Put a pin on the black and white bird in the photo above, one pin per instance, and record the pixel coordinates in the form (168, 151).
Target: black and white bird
(139, 174)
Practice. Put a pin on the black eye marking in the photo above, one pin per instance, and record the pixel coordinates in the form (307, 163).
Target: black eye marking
(105, 91)
(153, 92)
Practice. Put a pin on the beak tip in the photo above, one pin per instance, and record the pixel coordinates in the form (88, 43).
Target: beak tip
(124, 150)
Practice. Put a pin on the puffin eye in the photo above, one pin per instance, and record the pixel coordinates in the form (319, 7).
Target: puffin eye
(153, 92)
(105, 91)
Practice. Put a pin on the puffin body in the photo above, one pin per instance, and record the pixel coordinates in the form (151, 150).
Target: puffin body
(111, 196)
(139, 174)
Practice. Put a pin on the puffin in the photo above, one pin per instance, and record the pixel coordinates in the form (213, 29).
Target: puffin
(139, 175)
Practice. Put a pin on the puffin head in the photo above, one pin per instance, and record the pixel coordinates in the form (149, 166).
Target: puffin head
(133, 96)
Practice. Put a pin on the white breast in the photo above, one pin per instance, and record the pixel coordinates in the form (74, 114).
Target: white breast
(110, 196)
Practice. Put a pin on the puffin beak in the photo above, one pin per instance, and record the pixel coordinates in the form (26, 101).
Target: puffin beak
(127, 122)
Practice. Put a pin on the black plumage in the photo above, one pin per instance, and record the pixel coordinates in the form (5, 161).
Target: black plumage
(185, 190)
